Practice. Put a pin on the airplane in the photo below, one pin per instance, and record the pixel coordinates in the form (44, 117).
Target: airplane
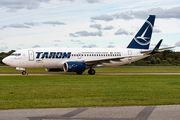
(79, 59)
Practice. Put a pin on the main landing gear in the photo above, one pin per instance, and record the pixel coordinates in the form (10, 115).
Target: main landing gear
(91, 71)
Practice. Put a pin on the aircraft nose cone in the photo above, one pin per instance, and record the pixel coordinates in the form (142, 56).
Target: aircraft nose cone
(6, 60)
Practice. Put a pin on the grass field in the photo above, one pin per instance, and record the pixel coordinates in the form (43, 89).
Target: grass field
(82, 91)
(90, 90)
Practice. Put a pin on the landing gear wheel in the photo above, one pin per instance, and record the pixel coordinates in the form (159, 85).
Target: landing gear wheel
(79, 73)
(91, 72)
(24, 73)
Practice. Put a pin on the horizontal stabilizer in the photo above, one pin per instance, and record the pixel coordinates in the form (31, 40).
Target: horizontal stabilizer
(156, 48)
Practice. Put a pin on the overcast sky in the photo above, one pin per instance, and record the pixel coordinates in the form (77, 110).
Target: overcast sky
(85, 23)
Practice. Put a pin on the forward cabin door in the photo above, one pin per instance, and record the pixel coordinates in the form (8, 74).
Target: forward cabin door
(31, 55)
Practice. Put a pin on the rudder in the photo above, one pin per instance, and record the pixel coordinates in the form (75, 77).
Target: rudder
(143, 37)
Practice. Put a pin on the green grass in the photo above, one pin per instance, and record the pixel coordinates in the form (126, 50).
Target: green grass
(82, 91)
(105, 70)
(139, 70)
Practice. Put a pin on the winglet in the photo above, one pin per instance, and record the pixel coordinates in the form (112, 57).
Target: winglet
(156, 47)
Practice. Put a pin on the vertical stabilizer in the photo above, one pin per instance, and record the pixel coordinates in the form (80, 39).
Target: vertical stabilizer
(143, 37)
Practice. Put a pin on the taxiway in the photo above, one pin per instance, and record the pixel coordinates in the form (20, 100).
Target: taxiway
(165, 112)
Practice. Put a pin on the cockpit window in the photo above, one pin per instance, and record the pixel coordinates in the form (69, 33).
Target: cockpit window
(16, 54)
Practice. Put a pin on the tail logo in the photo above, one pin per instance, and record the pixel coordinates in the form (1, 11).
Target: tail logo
(144, 39)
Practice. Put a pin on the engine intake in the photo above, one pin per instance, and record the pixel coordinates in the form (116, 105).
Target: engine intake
(74, 67)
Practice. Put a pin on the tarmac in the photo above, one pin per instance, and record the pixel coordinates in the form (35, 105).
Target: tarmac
(164, 112)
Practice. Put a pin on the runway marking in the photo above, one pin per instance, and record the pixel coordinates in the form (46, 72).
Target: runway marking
(143, 115)
(73, 113)
(66, 116)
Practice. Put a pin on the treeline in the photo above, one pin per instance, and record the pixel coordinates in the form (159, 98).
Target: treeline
(164, 58)
(3, 55)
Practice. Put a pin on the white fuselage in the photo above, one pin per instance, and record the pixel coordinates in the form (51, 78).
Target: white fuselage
(55, 58)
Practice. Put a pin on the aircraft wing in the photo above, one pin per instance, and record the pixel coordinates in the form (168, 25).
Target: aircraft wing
(118, 58)
(108, 60)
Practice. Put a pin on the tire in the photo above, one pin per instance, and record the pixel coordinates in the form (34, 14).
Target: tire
(24, 73)
(91, 72)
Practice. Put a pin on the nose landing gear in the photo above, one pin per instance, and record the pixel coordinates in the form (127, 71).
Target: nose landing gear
(24, 73)
(23, 70)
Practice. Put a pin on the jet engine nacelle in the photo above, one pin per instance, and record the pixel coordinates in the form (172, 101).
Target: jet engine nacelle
(74, 67)
(53, 69)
